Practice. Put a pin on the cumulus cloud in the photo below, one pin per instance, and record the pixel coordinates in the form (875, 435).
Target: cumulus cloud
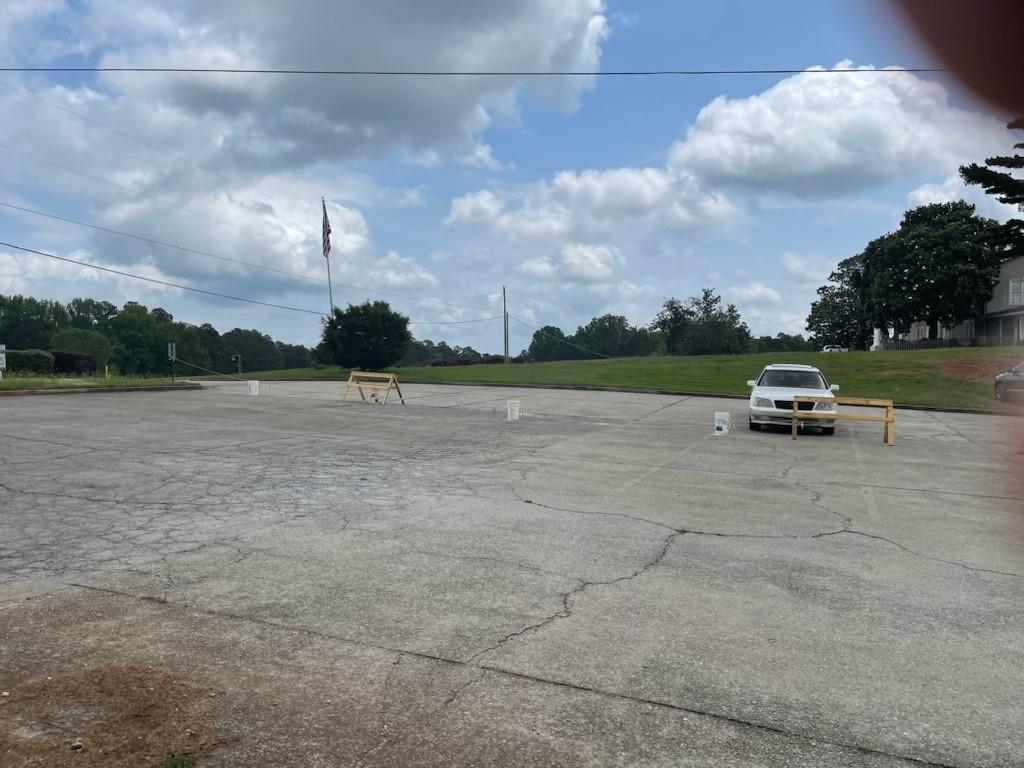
(292, 120)
(814, 135)
(594, 203)
(483, 157)
(951, 189)
(808, 269)
(577, 262)
(752, 293)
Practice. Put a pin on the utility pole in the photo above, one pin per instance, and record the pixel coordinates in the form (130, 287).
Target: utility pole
(504, 312)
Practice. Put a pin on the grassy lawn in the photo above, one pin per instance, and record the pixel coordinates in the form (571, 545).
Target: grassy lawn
(945, 378)
(79, 382)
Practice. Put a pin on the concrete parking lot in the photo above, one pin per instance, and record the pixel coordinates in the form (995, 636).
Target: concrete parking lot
(603, 582)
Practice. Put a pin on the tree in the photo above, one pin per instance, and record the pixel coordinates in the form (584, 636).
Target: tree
(295, 355)
(839, 315)
(28, 323)
(91, 314)
(674, 323)
(701, 326)
(83, 340)
(1004, 186)
(613, 336)
(940, 266)
(258, 351)
(782, 342)
(549, 343)
(366, 336)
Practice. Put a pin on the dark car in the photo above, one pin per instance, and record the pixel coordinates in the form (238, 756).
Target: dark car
(1010, 382)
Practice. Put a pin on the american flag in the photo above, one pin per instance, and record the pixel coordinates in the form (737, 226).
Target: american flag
(327, 231)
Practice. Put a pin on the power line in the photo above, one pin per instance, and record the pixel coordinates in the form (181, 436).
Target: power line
(557, 338)
(130, 190)
(136, 139)
(161, 282)
(119, 132)
(241, 262)
(454, 322)
(463, 73)
(161, 243)
(216, 293)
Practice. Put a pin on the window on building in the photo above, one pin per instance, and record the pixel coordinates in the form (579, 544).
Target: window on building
(1016, 292)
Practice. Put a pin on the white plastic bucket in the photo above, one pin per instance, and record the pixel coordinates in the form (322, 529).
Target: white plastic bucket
(513, 410)
(254, 388)
(723, 420)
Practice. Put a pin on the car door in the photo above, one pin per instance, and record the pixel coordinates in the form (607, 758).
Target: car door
(1016, 378)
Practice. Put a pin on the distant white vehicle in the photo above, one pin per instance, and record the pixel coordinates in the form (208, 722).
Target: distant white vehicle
(772, 393)
(834, 348)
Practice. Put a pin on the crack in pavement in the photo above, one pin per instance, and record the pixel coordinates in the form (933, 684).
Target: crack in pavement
(907, 549)
(163, 604)
(567, 598)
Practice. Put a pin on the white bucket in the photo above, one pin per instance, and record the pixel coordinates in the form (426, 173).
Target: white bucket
(723, 420)
(513, 410)
(254, 388)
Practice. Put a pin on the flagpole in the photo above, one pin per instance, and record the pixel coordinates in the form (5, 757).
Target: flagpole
(330, 289)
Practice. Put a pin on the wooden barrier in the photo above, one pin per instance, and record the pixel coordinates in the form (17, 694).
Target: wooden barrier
(373, 383)
(889, 419)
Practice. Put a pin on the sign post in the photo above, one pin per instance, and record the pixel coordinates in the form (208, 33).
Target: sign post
(172, 355)
(3, 360)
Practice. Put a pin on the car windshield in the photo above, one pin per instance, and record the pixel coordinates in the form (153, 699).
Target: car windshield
(793, 380)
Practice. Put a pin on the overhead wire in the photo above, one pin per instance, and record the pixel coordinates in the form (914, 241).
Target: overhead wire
(558, 338)
(198, 252)
(463, 73)
(218, 294)
(160, 282)
(215, 174)
(139, 192)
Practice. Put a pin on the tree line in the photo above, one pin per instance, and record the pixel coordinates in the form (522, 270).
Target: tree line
(699, 325)
(939, 267)
(133, 339)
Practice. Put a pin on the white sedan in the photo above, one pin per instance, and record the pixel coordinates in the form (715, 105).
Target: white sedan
(772, 393)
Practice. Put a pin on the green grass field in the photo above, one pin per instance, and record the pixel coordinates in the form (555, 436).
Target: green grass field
(14, 382)
(943, 378)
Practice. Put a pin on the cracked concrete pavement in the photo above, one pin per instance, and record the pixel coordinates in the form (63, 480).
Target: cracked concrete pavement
(603, 582)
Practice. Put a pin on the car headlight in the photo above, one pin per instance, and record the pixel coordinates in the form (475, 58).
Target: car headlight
(824, 406)
(763, 402)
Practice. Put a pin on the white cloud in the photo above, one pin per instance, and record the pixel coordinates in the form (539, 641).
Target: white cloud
(577, 262)
(752, 293)
(808, 269)
(289, 119)
(592, 203)
(952, 189)
(482, 156)
(815, 135)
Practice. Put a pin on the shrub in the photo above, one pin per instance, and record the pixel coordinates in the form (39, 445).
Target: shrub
(77, 363)
(84, 340)
(29, 361)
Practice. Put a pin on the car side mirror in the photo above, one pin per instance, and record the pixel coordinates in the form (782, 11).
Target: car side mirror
(834, 388)
(751, 383)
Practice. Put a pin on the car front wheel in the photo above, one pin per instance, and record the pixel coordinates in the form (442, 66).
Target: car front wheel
(755, 427)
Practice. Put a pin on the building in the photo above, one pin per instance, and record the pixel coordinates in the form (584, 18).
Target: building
(1002, 321)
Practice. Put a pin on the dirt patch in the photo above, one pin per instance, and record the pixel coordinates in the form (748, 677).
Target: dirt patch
(108, 716)
(982, 369)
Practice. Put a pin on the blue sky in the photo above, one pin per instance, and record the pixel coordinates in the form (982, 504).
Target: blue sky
(582, 196)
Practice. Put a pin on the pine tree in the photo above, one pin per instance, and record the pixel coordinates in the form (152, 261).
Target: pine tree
(1007, 188)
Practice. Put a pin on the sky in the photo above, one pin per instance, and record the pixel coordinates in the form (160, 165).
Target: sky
(581, 195)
